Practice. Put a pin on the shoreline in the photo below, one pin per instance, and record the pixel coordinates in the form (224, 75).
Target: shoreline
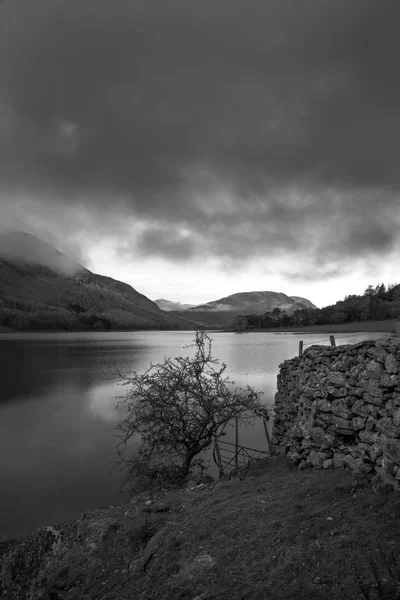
(355, 327)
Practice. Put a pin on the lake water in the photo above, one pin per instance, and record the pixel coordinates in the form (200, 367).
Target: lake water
(58, 417)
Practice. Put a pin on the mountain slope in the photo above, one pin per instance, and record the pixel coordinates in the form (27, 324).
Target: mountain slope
(220, 313)
(254, 301)
(306, 303)
(169, 305)
(42, 288)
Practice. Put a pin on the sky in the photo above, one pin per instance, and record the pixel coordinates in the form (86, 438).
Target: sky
(199, 149)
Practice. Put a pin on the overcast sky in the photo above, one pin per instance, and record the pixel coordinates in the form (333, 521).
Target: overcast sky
(195, 149)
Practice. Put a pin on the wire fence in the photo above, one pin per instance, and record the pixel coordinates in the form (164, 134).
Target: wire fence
(331, 340)
(340, 337)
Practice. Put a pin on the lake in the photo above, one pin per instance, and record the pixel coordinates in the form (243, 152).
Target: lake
(58, 417)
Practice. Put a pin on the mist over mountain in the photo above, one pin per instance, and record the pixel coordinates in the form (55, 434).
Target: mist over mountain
(26, 249)
(42, 288)
(169, 305)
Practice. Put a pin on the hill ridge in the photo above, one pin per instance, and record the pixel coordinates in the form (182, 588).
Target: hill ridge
(46, 289)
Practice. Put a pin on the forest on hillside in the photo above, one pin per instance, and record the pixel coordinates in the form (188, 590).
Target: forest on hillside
(377, 303)
(86, 306)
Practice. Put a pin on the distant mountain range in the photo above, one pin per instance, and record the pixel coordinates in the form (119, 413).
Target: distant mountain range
(220, 313)
(42, 288)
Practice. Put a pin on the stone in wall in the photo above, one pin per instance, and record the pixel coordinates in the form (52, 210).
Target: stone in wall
(340, 407)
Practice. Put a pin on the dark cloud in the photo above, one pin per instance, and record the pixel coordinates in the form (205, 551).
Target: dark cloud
(259, 127)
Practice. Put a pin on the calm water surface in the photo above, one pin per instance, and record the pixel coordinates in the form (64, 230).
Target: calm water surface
(58, 417)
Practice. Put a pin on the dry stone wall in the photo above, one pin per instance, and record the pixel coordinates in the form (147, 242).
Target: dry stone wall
(338, 407)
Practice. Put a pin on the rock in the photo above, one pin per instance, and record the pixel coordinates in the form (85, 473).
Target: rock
(358, 423)
(324, 454)
(355, 391)
(374, 451)
(294, 458)
(358, 465)
(342, 423)
(368, 437)
(324, 405)
(333, 392)
(374, 389)
(388, 427)
(372, 399)
(326, 418)
(392, 364)
(338, 460)
(389, 381)
(360, 408)
(341, 409)
(378, 353)
(380, 486)
(296, 433)
(337, 379)
(396, 417)
(389, 405)
(388, 464)
(315, 459)
(391, 448)
(338, 366)
(356, 451)
(374, 369)
(329, 441)
(317, 434)
(327, 463)
(371, 419)
(308, 392)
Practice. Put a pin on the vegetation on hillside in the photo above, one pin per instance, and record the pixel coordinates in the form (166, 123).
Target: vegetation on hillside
(177, 409)
(281, 533)
(376, 303)
(51, 302)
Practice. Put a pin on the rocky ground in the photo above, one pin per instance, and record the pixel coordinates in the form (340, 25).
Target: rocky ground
(280, 533)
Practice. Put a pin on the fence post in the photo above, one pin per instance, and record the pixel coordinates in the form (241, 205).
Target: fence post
(333, 343)
(300, 347)
(236, 442)
(266, 434)
(217, 456)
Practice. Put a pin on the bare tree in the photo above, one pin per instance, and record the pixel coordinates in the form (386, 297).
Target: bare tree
(176, 409)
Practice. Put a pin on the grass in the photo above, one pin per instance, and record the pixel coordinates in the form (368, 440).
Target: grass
(279, 534)
(357, 326)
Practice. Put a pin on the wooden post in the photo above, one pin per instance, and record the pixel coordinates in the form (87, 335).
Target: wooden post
(266, 433)
(219, 459)
(333, 343)
(300, 347)
(236, 442)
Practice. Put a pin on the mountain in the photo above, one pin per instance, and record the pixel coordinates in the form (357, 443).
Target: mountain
(378, 303)
(169, 305)
(220, 313)
(42, 288)
(256, 302)
(306, 303)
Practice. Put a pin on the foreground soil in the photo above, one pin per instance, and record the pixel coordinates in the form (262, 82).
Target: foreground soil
(279, 533)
